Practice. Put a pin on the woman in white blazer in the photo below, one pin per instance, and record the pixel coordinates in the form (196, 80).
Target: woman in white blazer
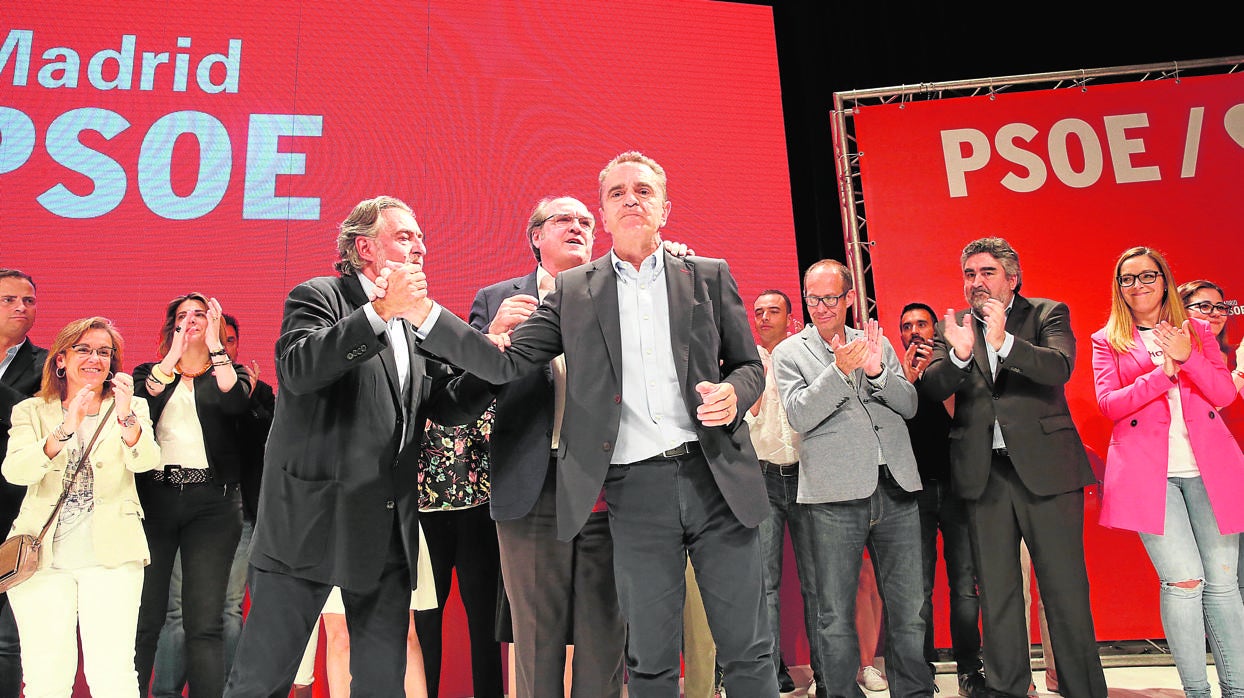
(90, 572)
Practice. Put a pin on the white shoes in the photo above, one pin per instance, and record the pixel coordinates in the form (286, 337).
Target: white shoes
(871, 679)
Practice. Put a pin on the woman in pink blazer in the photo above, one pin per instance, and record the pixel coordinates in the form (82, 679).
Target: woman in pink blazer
(1174, 473)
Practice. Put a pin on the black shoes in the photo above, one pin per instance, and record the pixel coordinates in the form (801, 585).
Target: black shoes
(972, 685)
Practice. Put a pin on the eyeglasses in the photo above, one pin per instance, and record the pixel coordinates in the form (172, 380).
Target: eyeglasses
(829, 301)
(1208, 308)
(84, 351)
(565, 220)
(1145, 277)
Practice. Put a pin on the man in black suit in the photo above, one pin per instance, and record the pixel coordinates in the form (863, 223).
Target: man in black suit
(339, 503)
(659, 356)
(1019, 462)
(560, 592)
(21, 374)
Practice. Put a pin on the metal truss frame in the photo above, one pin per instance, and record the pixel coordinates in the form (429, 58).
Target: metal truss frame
(847, 155)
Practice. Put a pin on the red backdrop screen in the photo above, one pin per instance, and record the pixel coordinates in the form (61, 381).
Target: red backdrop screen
(1071, 177)
(148, 149)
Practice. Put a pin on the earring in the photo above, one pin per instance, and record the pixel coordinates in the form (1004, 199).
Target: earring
(60, 371)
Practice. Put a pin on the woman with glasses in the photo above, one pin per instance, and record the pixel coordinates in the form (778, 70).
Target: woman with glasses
(193, 504)
(1174, 473)
(1204, 301)
(90, 574)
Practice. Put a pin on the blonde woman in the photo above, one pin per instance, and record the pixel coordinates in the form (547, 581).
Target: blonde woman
(90, 573)
(1174, 473)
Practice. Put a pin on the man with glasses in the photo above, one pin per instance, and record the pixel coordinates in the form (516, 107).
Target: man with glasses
(21, 374)
(1018, 461)
(560, 592)
(845, 392)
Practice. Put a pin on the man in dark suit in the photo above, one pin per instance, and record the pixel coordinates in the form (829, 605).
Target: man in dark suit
(339, 503)
(1019, 462)
(560, 592)
(21, 374)
(659, 357)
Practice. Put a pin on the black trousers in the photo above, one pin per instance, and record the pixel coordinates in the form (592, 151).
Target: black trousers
(1053, 527)
(284, 610)
(465, 539)
(204, 522)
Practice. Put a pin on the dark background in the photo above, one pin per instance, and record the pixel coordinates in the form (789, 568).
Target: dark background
(830, 46)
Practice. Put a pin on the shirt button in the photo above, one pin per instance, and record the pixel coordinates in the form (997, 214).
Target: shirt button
(607, 446)
(389, 504)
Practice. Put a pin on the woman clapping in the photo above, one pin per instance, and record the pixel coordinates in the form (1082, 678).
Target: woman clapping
(90, 573)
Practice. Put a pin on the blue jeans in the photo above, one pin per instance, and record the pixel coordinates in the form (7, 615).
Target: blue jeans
(782, 483)
(1193, 550)
(942, 509)
(888, 523)
(170, 661)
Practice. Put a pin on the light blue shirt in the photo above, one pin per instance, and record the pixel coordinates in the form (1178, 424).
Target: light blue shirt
(1003, 352)
(8, 356)
(654, 413)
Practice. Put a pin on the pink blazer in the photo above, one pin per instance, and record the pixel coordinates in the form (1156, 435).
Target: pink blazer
(1131, 391)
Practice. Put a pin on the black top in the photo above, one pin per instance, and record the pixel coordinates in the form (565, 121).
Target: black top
(253, 428)
(218, 416)
(930, 438)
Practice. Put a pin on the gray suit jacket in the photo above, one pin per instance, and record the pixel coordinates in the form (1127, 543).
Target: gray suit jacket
(712, 342)
(1027, 399)
(844, 426)
(335, 471)
(521, 433)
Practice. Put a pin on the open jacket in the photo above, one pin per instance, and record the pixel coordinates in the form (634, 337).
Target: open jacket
(116, 522)
(1131, 391)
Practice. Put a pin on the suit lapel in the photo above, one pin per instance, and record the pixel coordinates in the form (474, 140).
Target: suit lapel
(680, 279)
(529, 285)
(816, 346)
(23, 359)
(353, 292)
(602, 288)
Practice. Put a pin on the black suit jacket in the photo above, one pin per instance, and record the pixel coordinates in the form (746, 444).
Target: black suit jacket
(523, 427)
(25, 374)
(218, 415)
(335, 470)
(22, 379)
(712, 341)
(253, 428)
(1027, 400)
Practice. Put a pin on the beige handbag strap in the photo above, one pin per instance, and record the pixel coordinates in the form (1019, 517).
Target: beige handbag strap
(73, 478)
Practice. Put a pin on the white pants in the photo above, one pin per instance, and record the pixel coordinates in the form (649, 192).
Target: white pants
(52, 605)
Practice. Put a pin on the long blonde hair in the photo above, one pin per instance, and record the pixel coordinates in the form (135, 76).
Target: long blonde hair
(1121, 327)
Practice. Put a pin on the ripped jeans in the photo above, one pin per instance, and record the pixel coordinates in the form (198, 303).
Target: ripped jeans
(1192, 550)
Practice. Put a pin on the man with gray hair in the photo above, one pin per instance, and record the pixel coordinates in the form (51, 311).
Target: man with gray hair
(659, 358)
(339, 502)
(560, 592)
(1018, 461)
(846, 394)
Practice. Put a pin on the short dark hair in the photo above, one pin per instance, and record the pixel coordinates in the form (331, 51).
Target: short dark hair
(999, 249)
(18, 274)
(775, 292)
(231, 321)
(917, 306)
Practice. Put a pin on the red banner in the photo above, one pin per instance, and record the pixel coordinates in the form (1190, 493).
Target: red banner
(152, 148)
(1071, 177)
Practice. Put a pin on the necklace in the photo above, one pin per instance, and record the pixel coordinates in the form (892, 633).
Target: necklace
(194, 374)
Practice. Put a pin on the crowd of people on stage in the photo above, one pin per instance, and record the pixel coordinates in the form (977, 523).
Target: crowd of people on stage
(609, 463)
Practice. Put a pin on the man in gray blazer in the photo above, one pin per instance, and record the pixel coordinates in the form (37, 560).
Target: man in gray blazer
(339, 503)
(1018, 461)
(846, 394)
(560, 592)
(659, 357)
